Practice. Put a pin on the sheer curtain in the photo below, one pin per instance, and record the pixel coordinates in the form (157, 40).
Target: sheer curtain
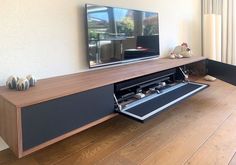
(219, 33)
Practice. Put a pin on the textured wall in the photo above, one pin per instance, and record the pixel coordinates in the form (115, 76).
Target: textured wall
(46, 37)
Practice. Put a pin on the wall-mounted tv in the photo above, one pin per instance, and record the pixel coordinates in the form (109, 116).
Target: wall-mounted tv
(116, 35)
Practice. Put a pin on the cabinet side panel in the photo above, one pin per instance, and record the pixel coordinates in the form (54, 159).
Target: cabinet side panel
(225, 72)
(46, 121)
(198, 68)
(8, 125)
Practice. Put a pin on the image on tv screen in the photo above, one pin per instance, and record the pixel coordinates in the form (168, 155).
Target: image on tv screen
(117, 34)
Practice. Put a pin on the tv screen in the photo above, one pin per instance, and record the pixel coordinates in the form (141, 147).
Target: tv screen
(118, 35)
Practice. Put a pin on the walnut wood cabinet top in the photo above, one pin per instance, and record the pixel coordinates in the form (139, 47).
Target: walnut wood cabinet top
(51, 88)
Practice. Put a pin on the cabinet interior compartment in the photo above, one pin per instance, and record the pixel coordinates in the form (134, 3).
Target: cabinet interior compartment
(143, 97)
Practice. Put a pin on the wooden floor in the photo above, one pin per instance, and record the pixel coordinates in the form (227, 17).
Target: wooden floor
(201, 130)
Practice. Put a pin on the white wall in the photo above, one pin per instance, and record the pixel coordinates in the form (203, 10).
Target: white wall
(46, 37)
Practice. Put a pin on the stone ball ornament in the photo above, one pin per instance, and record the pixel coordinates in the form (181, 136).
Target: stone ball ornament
(32, 80)
(11, 82)
(22, 84)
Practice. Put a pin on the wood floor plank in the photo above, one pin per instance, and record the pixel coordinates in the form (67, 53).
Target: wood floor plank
(24, 161)
(173, 142)
(167, 144)
(220, 148)
(183, 145)
(7, 157)
(111, 141)
(141, 146)
(63, 149)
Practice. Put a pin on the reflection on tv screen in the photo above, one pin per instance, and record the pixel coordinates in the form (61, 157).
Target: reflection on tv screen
(116, 34)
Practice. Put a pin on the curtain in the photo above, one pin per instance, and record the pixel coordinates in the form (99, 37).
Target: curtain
(219, 33)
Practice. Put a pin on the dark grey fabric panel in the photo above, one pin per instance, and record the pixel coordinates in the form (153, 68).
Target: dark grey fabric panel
(152, 106)
(48, 120)
(222, 71)
(162, 100)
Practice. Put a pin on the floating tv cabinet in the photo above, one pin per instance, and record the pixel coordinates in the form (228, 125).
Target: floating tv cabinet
(59, 107)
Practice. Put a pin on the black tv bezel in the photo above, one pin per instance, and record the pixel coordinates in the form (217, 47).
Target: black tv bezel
(122, 61)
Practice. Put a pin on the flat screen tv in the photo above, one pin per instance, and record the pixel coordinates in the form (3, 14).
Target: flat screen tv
(116, 35)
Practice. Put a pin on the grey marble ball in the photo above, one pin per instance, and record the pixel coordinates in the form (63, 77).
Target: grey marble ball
(22, 84)
(11, 82)
(32, 80)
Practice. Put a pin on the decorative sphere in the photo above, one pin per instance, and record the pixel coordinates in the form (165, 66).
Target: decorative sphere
(12, 81)
(32, 80)
(22, 84)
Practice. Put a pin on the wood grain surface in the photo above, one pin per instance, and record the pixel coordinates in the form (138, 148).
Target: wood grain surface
(9, 126)
(56, 87)
(200, 130)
